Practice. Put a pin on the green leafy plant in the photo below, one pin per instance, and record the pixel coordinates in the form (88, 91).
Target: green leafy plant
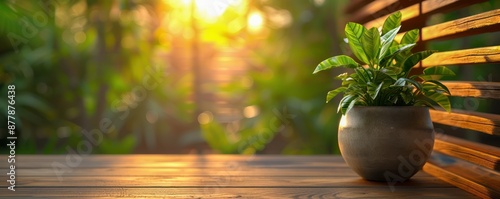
(383, 77)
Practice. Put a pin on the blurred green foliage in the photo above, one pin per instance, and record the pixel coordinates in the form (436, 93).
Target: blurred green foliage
(290, 100)
(77, 63)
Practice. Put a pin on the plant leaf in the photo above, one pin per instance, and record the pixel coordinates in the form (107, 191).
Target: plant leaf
(342, 76)
(406, 96)
(371, 44)
(361, 75)
(393, 21)
(400, 48)
(386, 41)
(351, 104)
(393, 51)
(348, 81)
(438, 84)
(400, 82)
(414, 59)
(435, 73)
(396, 70)
(438, 70)
(331, 94)
(391, 94)
(337, 61)
(354, 32)
(440, 99)
(410, 37)
(344, 103)
(407, 38)
(374, 92)
(424, 102)
(390, 72)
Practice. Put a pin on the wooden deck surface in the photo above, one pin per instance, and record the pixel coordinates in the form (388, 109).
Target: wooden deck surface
(209, 176)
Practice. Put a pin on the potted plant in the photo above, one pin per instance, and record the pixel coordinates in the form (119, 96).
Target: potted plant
(385, 133)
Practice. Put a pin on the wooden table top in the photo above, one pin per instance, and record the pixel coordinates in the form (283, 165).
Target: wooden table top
(208, 176)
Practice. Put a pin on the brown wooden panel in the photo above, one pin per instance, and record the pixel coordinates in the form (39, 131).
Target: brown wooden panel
(374, 7)
(481, 154)
(468, 56)
(476, 24)
(421, 179)
(466, 176)
(489, 90)
(408, 13)
(480, 23)
(240, 171)
(482, 122)
(423, 10)
(269, 192)
(191, 180)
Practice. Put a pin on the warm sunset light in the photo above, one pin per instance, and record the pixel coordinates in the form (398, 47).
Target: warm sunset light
(210, 10)
(220, 98)
(255, 22)
(250, 111)
(205, 117)
(213, 9)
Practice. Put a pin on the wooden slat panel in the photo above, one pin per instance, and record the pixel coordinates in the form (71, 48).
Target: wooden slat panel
(466, 176)
(482, 122)
(269, 192)
(480, 23)
(489, 90)
(476, 24)
(425, 9)
(469, 56)
(407, 14)
(484, 155)
(374, 7)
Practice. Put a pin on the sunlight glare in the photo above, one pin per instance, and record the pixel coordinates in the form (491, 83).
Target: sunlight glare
(255, 21)
(205, 117)
(250, 111)
(210, 10)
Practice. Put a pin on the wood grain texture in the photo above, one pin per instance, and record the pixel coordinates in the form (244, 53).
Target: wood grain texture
(220, 180)
(375, 9)
(480, 23)
(488, 90)
(469, 177)
(423, 10)
(468, 56)
(480, 154)
(482, 122)
(240, 171)
(476, 24)
(181, 176)
(376, 193)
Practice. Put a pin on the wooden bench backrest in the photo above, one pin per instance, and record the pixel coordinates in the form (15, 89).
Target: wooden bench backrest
(467, 164)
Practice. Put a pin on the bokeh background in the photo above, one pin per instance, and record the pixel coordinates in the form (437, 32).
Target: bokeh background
(184, 76)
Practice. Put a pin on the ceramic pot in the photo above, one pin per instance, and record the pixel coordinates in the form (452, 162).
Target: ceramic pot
(386, 143)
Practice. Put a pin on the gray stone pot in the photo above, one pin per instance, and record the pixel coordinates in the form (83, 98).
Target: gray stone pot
(386, 143)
